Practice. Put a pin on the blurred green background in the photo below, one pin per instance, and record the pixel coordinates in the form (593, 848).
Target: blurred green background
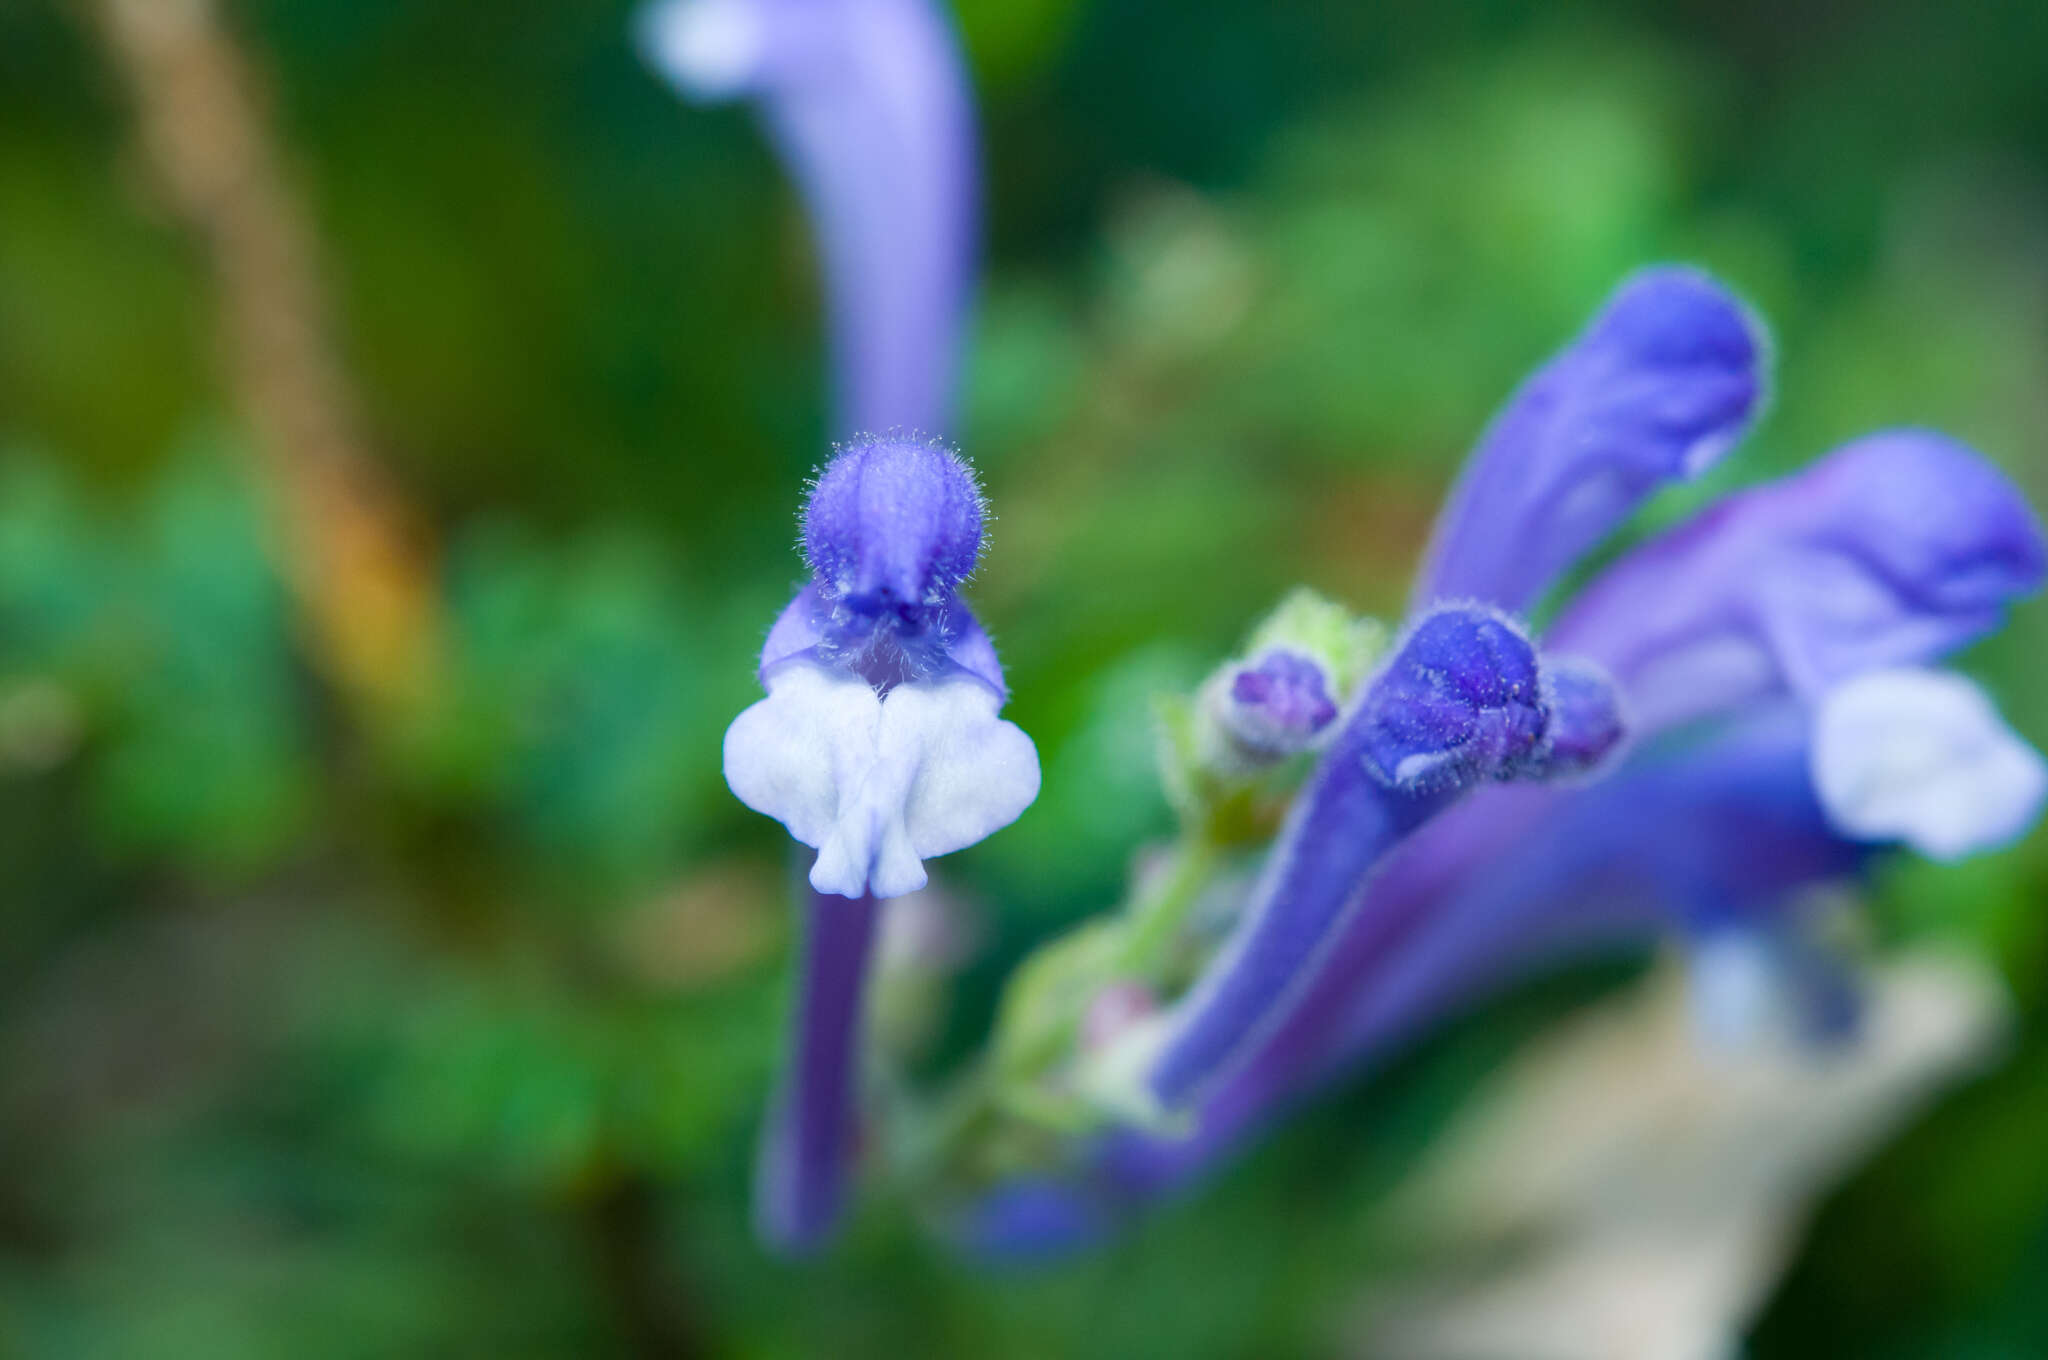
(333, 1033)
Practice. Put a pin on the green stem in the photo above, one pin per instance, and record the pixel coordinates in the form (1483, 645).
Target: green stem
(1001, 1089)
(1156, 921)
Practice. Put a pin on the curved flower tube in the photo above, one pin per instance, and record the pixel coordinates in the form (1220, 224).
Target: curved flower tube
(1895, 548)
(1664, 381)
(868, 104)
(1716, 842)
(1613, 864)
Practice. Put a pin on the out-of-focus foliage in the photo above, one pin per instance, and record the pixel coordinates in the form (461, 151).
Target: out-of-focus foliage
(449, 1036)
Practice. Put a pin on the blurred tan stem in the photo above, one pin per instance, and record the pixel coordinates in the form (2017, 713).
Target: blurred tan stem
(349, 547)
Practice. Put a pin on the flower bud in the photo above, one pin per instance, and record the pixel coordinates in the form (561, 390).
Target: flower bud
(1462, 701)
(1586, 722)
(1282, 698)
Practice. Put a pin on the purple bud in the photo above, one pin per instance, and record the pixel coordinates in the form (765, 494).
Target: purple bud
(1586, 723)
(893, 525)
(1279, 705)
(1461, 701)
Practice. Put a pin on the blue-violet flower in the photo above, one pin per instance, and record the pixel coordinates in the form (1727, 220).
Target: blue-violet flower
(879, 742)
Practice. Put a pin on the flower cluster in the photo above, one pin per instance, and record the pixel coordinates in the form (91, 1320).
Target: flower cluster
(1741, 707)
(1773, 661)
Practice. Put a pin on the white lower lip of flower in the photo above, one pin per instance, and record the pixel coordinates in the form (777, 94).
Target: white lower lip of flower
(878, 784)
(1921, 756)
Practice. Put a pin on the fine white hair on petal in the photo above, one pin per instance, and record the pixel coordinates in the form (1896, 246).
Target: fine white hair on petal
(1923, 757)
(710, 49)
(879, 785)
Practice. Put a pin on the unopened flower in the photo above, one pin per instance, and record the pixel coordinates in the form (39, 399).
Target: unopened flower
(1274, 705)
(1229, 753)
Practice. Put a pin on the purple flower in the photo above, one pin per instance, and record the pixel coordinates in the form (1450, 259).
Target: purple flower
(1895, 549)
(879, 742)
(1662, 381)
(1736, 710)
(868, 104)
(1766, 662)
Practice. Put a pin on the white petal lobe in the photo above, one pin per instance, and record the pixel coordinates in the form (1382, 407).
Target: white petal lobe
(879, 785)
(1923, 757)
(795, 753)
(975, 773)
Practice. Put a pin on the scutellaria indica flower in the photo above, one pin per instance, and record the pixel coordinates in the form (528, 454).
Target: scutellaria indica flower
(879, 743)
